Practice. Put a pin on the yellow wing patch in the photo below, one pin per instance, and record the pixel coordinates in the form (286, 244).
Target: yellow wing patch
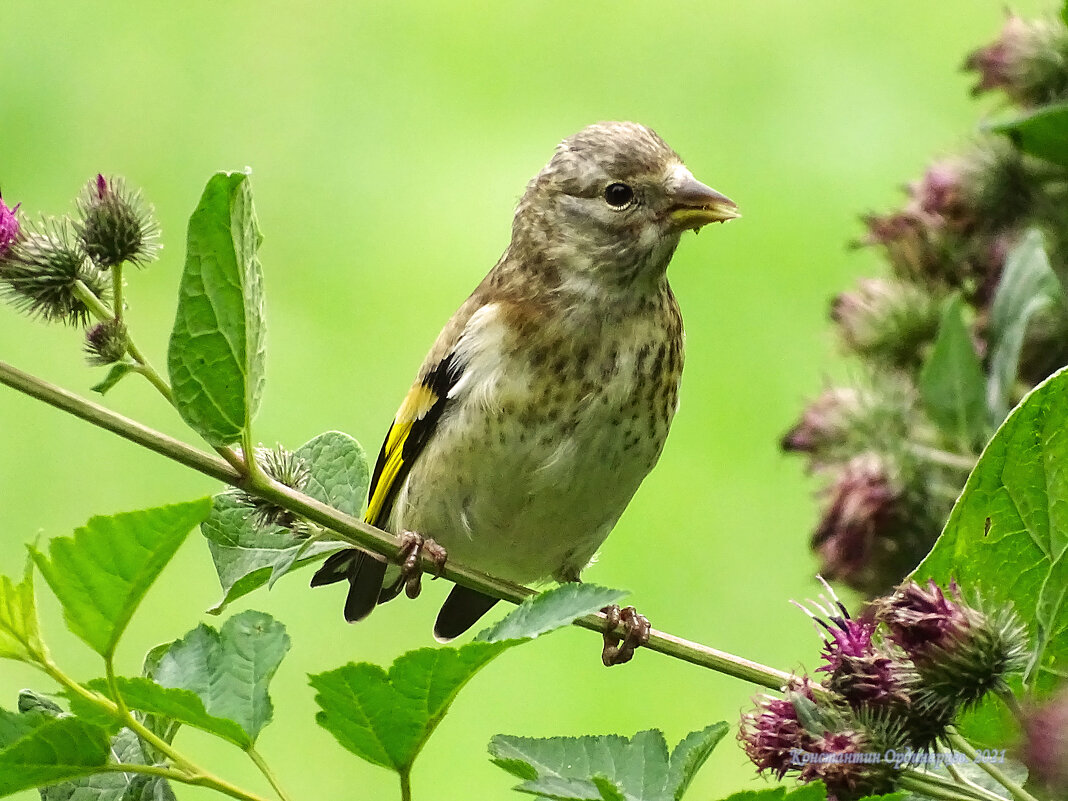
(391, 461)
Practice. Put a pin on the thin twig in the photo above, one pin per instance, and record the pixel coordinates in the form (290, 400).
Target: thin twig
(957, 740)
(357, 532)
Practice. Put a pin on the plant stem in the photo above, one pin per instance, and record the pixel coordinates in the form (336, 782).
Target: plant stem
(116, 291)
(919, 783)
(357, 532)
(406, 785)
(957, 740)
(961, 784)
(265, 769)
(109, 673)
(197, 779)
(184, 771)
(945, 458)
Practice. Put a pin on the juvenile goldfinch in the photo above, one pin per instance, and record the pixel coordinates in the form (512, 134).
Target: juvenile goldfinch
(547, 397)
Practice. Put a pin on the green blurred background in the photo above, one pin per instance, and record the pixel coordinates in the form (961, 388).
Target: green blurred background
(389, 143)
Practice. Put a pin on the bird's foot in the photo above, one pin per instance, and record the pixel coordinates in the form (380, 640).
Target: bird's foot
(412, 550)
(636, 630)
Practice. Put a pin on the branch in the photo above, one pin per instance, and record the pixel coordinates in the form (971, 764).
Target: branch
(356, 532)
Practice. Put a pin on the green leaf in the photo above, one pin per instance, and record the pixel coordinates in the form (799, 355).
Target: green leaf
(229, 669)
(1028, 286)
(808, 792)
(952, 381)
(50, 750)
(125, 748)
(247, 556)
(115, 375)
(637, 769)
(1042, 133)
(386, 718)
(1007, 536)
(550, 610)
(691, 753)
(182, 706)
(20, 633)
(216, 352)
(101, 573)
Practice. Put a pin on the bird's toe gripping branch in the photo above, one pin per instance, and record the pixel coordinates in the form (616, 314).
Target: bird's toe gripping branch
(413, 548)
(636, 630)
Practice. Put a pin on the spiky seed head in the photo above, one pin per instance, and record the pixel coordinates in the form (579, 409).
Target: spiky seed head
(1026, 61)
(887, 320)
(115, 225)
(41, 272)
(960, 651)
(824, 422)
(106, 342)
(773, 732)
(286, 468)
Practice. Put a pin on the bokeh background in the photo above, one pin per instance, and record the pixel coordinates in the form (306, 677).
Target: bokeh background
(389, 143)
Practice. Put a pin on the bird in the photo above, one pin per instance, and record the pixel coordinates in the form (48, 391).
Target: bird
(547, 397)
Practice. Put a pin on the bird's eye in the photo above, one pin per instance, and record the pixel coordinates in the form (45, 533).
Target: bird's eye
(618, 195)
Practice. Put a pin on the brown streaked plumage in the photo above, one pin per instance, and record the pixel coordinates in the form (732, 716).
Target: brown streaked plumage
(547, 397)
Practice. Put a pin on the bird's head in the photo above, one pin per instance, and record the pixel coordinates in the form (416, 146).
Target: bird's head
(609, 207)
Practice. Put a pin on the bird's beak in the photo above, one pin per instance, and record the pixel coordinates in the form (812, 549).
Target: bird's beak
(694, 205)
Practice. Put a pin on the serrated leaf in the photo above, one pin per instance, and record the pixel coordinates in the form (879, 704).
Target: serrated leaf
(248, 556)
(691, 754)
(814, 791)
(101, 573)
(1028, 286)
(386, 718)
(117, 372)
(229, 669)
(20, 633)
(638, 768)
(550, 610)
(216, 352)
(953, 383)
(180, 705)
(1042, 133)
(53, 750)
(31, 701)
(1019, 491)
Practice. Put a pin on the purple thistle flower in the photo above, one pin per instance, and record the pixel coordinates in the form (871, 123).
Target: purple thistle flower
(773, 733)
(9, 227)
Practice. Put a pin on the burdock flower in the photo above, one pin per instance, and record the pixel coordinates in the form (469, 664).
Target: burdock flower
(9, 227)
(1045, 744)
(824, 423)
(1026, 61)
(772, 735)
(106, 342)
(859, 669)
(864, 504)
(286, 468)
(115, 225)
(46, 273)
(886, 320)
(960, 652)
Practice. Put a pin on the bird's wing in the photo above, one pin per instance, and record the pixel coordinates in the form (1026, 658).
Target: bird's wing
(411, 429)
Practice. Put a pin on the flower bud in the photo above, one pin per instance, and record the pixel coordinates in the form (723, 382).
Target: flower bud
(1045, 744)
(106, 342)
(960, 652)
(115, 226)
(864, 505)
(824, 422)
(41, 273)
(773, 733)
(1026, 61)
(887, 320)
(9, 227)
(286, 468)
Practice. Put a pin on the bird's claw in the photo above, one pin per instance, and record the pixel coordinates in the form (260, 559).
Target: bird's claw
(413, 548)
(636, 630)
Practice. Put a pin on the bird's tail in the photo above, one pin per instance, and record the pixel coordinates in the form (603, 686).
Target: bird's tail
(461, 611)
(365, 574)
